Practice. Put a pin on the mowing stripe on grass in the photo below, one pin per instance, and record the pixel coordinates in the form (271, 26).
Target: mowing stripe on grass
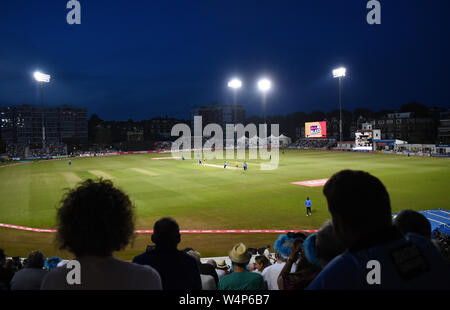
(146, 172)
(71, 177)
(101, 174)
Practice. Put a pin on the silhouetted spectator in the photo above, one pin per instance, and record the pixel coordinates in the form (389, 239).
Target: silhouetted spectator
(327, 245)
(241, 278)
(442, 242)
(208, 281)
(10, 265)
(206, 269)
(378, 256)
(30, 277)
(410, 221)
(6, 274)
(17, 262)
(94, 220)
(212, 262)
(165, 256)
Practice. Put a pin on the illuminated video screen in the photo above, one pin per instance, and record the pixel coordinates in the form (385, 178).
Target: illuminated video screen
(316, 130)
(364, 140)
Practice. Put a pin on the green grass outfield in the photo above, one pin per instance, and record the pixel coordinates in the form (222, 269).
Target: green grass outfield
(204, 197)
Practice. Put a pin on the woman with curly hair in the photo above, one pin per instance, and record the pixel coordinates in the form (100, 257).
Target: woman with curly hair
(96, 219)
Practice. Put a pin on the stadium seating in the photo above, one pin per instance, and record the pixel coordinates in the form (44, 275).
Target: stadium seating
(14, 264)
(314, 143)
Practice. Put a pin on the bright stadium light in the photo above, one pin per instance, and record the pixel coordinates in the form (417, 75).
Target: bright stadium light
(235, 83)
(340, 73)
(264, 85)
(41, 77)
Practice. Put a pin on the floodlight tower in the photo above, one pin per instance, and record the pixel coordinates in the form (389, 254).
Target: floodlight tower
(235, 84)
(340, 73)
(264, 85)
(42, 78)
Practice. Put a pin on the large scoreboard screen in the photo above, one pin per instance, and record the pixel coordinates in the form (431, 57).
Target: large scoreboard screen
(364, 140)
(316, 130)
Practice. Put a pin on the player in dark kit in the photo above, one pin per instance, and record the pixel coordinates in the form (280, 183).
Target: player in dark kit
(245, 166)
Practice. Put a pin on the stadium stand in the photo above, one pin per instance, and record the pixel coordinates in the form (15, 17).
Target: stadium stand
(316, 143)
(25, 151)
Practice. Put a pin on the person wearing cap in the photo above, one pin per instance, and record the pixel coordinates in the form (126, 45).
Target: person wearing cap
(241, 278)
(222, 269)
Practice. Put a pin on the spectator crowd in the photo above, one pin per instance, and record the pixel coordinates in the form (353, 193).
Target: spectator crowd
(23, 150)
(96, 219)
(316, 143)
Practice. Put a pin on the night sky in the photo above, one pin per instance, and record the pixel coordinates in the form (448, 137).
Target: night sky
(140, 59)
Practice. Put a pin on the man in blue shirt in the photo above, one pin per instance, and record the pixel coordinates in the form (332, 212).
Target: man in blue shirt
(308, 204)
(378, 256)
(224, 165)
